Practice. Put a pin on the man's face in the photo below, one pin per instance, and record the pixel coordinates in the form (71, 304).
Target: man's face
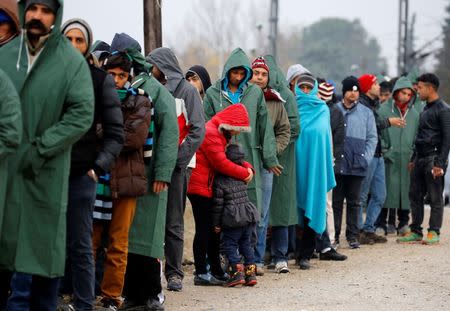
(260, 77)
(351, 96)
(384, 96)
(236, 76)
(374, 91)
(120, 77)
(159, 75)
(196, 82)
(5, 29)
(404, 95)
(39, 19)
(424, 90)
(305, 88)
(77, 39)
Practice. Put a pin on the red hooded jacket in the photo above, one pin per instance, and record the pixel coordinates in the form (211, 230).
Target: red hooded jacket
(211, 156)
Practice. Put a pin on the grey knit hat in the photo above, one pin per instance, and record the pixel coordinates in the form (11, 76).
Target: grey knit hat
(51, 4)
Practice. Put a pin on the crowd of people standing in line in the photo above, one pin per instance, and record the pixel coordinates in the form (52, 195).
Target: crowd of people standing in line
(100, 147)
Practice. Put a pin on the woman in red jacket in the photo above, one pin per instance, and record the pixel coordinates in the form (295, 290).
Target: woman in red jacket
(211, 159)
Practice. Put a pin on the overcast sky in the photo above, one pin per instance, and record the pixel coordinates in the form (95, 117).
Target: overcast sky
(380, 18)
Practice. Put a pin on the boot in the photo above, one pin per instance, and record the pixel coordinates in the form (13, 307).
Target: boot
(250, 275)
(236, 275)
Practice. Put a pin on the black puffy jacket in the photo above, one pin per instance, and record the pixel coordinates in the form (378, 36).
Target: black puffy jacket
(231, 206)
(337, 122)
(90, 152)
(433, 135)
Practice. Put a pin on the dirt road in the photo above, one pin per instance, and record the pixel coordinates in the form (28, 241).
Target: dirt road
(379, 277)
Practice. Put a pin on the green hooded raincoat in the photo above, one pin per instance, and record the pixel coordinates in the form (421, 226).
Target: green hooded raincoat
(283, 205)
(148, 229)
(397, 146)
(259, 144)
(57, 102)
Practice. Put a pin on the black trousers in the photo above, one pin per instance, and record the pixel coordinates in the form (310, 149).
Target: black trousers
(348, 187)
(387, 216)
(206, 241)
(142, 279)
(422, 182)
(307, 243)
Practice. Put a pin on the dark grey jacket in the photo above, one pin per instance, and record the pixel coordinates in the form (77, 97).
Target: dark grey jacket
(231, 206)
(166, 61)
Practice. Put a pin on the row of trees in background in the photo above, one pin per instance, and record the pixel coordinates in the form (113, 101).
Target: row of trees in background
(331, 48)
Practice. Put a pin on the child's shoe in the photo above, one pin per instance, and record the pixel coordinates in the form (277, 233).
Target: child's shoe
(236, 275)
(250, 275)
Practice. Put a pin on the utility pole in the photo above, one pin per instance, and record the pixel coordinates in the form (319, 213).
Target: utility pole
(273, 21)
(402, 53)
(152, 25)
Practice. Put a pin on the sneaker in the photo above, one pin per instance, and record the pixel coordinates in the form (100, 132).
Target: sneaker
(304, 264)
(174, 283)
(432, 238)
(353, 244)
(131, 305)
(206, 280)
(221, 277)
(366, 239)
(281, 267)
(315, 255)
(403, 230)
(332, 255)
(410, 237)
(259, 269)
(107, 304)
(271, 266)
(376, 238)
(391, 229)
(153, 305)
(62, 306)
(380, 231)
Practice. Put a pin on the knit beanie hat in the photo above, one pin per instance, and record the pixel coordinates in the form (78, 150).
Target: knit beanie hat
(306, 79)
(83, 26)
(350, 83)
(366, 81)
(295, 71)
(260, 62)
(326, 91)
(51, 4)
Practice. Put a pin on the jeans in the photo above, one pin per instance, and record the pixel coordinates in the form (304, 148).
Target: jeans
(236, 242)
(19, 300)
(347, 187)
(422, 182)
(174, 239)
(280, 242)
(261, 228)
(375, 184)
(206, 241)
(80, 263)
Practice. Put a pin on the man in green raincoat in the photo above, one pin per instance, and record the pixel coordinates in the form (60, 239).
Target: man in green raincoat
(146, 237)
(397, 146)
(57, 100)
(259, 145)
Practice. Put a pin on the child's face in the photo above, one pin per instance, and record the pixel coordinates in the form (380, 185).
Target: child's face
(120, 77)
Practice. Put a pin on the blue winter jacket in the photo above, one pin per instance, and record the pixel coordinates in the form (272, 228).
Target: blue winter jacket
(360, 139)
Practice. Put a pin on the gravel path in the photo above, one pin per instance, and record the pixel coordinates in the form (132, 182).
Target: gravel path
(379, 277)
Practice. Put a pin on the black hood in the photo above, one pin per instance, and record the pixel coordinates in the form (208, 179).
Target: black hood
(202, 73)
(122, 41)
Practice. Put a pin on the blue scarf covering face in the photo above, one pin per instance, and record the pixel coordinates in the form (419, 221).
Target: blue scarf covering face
(314, 159)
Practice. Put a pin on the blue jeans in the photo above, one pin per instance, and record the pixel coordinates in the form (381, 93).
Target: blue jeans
(238, 239)
(375, 184)
(280, 242)
(261, 229)
(20, 292)
(80, 263)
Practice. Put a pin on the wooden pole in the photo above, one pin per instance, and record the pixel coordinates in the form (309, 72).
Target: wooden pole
(152, 25)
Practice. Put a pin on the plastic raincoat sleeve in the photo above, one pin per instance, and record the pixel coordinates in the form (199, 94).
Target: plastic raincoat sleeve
(266, 135)
(10, 117)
